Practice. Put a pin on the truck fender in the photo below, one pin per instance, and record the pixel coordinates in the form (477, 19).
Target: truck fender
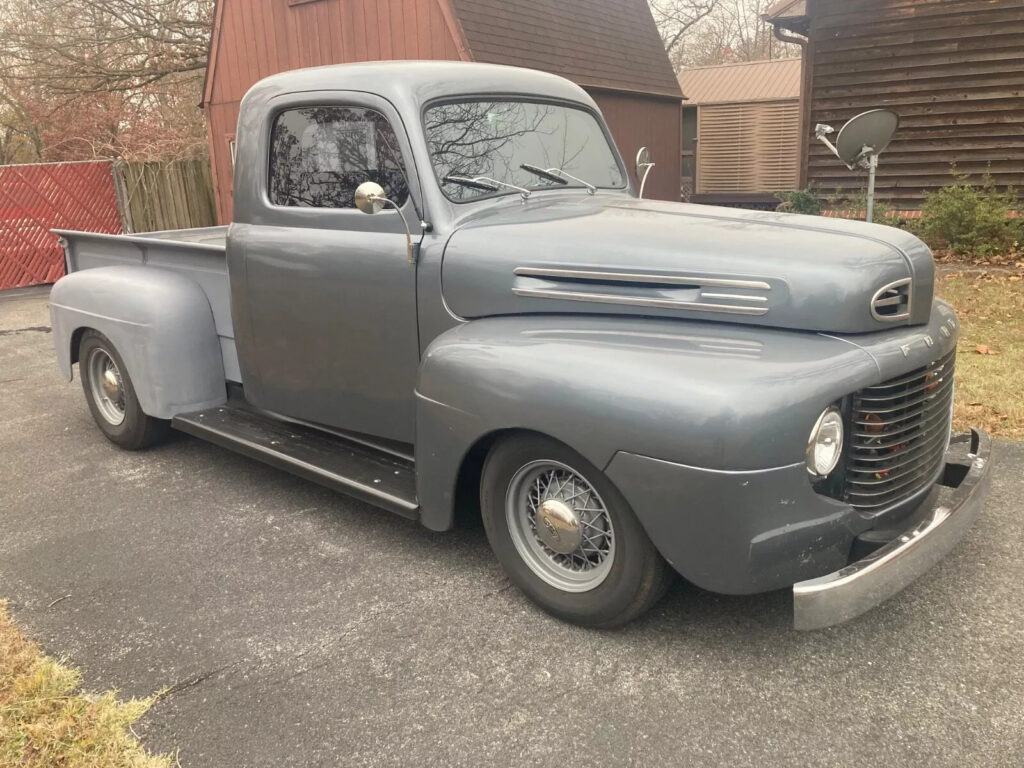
(161, 324)
(702, 395)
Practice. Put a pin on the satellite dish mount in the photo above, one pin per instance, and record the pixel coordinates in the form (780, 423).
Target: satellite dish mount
(860, 142)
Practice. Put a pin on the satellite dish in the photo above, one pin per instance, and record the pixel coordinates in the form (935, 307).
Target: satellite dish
(867, 133)
(860, 142)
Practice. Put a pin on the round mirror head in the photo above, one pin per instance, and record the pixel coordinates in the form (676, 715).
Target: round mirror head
(873, 129)
(370, 197)
(643, 157)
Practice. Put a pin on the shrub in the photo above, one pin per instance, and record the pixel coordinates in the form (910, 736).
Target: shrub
(970, 220)
(804, 201)
(855, 206)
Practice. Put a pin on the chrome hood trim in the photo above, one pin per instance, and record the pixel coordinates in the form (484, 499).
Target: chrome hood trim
(599, 287)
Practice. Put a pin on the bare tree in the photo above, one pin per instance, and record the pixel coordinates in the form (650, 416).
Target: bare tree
(729, 31)
(675, 18)
(96, 78)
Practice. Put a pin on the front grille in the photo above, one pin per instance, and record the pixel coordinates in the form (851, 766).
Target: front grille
(899, 433)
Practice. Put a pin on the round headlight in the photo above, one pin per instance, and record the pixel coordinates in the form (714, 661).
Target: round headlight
(825, 445)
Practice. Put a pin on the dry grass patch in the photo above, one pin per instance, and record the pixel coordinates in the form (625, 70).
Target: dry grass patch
(990, 357)
(46, 721)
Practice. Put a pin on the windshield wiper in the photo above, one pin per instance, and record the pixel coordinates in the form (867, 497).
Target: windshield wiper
(486, 183)
(471, 183)
(557, 175)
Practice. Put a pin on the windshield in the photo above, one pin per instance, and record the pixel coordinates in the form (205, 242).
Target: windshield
(495, 139)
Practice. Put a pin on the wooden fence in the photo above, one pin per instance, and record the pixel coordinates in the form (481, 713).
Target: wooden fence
(155, 196)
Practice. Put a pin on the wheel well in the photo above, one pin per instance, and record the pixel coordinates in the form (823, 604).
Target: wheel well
(467, 485)
(76, 342)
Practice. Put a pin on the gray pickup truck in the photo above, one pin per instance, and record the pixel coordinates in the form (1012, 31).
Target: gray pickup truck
(440, 290)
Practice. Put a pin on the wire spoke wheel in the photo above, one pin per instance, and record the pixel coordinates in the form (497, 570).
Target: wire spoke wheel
(560, 526)
(107, 386)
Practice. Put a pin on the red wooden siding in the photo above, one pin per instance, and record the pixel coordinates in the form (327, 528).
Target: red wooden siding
(259, 38)
(37, 198)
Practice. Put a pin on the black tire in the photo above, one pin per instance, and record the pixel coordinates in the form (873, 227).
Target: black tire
(136, 430)
(638, 576)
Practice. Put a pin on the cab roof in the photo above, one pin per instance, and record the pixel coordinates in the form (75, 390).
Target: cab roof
(414, 83)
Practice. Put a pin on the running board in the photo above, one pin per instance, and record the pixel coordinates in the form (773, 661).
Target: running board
(341, 465)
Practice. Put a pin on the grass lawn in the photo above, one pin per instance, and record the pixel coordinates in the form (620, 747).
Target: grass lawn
(990, 359)
(45, 721)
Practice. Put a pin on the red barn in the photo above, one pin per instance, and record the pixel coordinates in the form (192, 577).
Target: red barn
(609, 47)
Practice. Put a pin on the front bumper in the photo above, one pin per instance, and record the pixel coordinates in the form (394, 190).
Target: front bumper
(858, 587)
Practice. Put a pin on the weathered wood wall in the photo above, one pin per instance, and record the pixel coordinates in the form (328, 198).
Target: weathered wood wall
(952, 69)
(642, 121)
(155, 196)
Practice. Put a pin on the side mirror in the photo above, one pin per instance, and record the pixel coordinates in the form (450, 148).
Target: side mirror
(370, 198)
(643, 167)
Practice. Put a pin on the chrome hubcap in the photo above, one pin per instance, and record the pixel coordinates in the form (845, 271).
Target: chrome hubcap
(557, 526)
(107, 386)
(560, 526)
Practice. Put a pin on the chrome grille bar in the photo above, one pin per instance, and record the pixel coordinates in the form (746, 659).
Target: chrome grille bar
(899, 436)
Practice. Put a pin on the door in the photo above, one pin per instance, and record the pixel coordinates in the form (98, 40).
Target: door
(330, 295)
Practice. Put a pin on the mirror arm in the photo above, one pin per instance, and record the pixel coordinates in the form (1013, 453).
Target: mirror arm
(643, 181)
(409, 252)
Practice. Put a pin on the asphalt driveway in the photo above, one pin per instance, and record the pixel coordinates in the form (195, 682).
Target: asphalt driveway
(303, 628)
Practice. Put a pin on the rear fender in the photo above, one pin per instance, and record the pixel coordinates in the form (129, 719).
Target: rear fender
(161, 324)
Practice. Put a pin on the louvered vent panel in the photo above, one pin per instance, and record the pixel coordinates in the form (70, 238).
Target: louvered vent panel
(748, 148)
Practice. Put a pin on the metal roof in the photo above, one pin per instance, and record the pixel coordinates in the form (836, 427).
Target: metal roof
(600, 43)
(739, 83)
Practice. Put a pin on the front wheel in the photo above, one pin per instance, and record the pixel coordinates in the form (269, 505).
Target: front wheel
(565, 535)
(111, 395)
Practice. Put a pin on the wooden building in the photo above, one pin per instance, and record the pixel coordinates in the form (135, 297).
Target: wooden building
(741, 132)
(952, 69)
(609, 47)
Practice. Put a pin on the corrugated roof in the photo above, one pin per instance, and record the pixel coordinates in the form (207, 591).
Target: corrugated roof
(602, 43)
(744, 82)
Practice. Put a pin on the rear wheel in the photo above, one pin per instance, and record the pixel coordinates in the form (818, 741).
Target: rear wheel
(111, 395)
(565, 535)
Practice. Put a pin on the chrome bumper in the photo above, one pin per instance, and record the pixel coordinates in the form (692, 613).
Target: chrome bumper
(860, 586)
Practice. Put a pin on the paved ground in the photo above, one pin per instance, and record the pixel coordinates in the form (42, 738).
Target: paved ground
(301, 628)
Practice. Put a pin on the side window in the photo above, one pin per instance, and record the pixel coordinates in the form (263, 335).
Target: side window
(319, 155)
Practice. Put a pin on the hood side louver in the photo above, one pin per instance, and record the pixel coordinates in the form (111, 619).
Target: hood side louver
(892, 302)
(661, 291)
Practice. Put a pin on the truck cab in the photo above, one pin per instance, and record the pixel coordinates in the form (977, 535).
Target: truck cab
(441, 288)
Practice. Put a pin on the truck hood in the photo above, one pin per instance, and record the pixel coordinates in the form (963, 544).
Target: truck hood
(612, 254)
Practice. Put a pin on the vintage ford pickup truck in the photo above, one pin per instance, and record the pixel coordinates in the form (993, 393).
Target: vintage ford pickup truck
(440, 290)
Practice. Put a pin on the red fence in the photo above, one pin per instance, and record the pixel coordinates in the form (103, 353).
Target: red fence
(37, 198)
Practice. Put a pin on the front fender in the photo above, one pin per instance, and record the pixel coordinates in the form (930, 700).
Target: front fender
(161, 324)
(701, 394)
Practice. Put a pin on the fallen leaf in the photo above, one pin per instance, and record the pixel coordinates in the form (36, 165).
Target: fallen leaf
(982, 349)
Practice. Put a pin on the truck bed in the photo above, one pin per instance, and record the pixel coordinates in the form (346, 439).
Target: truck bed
(197, 253)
